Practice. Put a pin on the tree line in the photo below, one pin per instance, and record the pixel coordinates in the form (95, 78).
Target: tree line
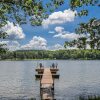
(46, 54)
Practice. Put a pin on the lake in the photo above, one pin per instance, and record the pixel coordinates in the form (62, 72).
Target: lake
(77, 77)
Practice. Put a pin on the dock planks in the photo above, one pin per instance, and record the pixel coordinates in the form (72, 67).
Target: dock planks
(47, 76)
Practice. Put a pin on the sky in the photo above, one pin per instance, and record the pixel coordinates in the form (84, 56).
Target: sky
(51, 35)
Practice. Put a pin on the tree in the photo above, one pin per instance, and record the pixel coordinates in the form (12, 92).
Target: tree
(91, 31)
(66, 44)
(81, 43)
(92, 27)
(82, 5)
(98, 43)
(72, 43)
(19, 10)
(89, 35)
(3, 35)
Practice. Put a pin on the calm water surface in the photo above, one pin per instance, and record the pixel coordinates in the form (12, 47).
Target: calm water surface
(17, 80)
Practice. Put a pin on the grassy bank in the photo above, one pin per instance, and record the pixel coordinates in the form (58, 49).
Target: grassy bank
(45, 54)
(90, 98)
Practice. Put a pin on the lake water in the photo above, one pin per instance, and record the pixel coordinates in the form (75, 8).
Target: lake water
(80, 77)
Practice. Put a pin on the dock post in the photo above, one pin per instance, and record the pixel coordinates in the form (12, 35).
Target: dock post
(53, 83)
(40, 88)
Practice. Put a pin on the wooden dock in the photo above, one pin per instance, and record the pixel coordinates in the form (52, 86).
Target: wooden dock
(41, 70)
(47, 76)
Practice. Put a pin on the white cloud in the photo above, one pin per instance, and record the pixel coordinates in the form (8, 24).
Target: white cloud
(36, 43)
(11, 45)
(56, 47)
(59, 17)
(59, 29)
(4, 42)
(51, 32)
(13, 31)
(65, 34)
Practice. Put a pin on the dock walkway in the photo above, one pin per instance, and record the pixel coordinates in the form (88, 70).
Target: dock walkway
(46, 82)
(47, 85)
(47, 77)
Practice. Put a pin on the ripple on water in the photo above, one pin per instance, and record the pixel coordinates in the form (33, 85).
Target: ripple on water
(77, 78)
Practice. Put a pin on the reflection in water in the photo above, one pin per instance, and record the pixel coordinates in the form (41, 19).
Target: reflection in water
(76, 78)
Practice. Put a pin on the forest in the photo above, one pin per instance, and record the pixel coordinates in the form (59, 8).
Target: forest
(47, 54)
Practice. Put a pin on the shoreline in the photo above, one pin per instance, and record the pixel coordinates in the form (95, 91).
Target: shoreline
(49, 59)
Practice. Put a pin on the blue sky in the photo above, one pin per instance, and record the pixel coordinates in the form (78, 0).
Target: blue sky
(53, 36)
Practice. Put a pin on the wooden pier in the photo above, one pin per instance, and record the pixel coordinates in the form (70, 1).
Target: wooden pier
(47, 76)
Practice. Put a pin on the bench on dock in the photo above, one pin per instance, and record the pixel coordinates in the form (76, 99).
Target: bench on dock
(41, 70)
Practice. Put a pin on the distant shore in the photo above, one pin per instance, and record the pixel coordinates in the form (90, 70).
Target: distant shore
(51, 55)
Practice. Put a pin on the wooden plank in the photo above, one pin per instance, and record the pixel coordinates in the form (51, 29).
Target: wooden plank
(47, 77)
(47, 83)
(47, 97)
(42, 69)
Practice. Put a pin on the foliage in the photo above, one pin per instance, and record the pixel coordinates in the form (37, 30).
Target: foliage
(3, 35)
(89, 30)
(89, 35)
(58, 54)
(36, 10)
(82, 5)
(21, 10)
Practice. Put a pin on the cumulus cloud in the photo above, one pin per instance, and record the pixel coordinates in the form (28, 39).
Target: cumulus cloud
(13, 31)
(11, 45)
(59, 17)
(37, 43)
(65, 34)
(56, 47)
(59, 29)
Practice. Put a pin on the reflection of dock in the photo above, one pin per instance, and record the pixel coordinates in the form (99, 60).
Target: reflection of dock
(47, 76)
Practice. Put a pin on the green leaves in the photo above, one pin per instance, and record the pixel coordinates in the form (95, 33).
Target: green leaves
(11, 9)
(91, 35)
(3, 35)
(83, 12)
(82, 5)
